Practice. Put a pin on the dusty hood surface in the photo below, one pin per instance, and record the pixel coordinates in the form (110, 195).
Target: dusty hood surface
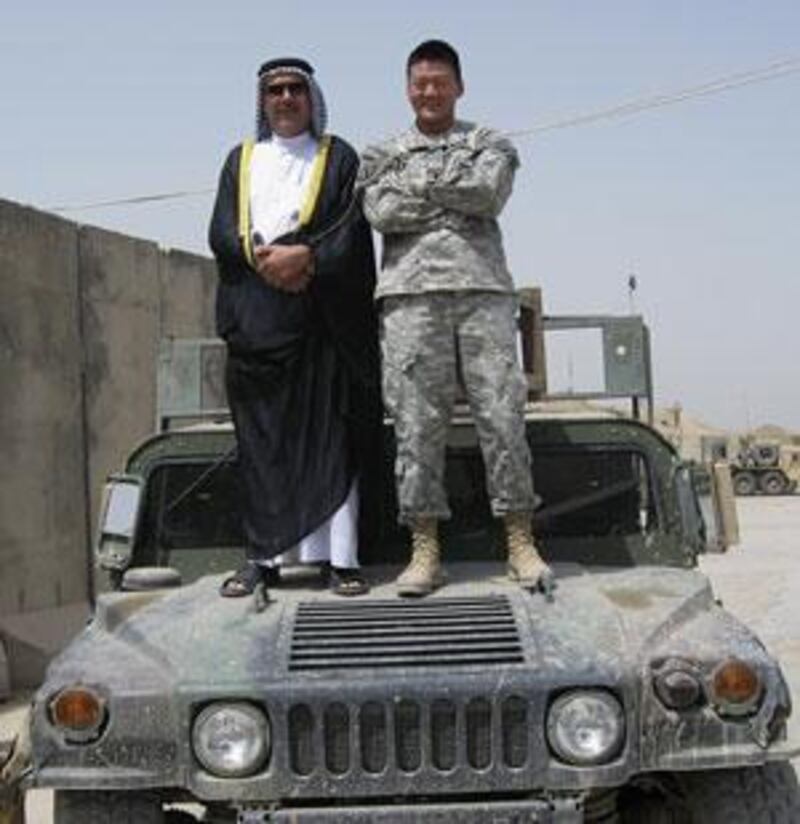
(597, 622)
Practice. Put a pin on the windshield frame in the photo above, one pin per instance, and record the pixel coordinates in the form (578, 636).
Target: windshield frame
(667, 544)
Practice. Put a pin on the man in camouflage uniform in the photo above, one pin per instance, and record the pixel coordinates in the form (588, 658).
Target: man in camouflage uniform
(447, 297)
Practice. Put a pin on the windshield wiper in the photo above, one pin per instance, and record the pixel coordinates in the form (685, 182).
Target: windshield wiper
(200, 480)
(582, 501)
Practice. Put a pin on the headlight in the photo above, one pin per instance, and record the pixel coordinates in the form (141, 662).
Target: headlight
(231, 740)
(586, 727)
(678, 685)
(735, 688)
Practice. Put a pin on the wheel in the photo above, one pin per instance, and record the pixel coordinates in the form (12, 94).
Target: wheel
(744, 483)
(748, 795)
(767, 454)
(653, 811)
(179, 817)
(772, 483)
(656, 800)
(88, 807)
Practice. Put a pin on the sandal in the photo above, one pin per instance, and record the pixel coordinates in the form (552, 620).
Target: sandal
(348, 582)
(243, 582)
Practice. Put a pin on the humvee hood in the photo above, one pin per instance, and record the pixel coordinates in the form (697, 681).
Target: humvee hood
(596, 624)
(607, 621)
(180, 637)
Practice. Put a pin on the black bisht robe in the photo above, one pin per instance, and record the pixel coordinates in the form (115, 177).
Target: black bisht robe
(303, 370)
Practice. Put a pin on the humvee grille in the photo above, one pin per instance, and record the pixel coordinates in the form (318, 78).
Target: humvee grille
(408, 734)
(377, 634)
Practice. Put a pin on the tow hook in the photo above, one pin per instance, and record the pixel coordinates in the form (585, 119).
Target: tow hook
(252, 815)
(566, 809)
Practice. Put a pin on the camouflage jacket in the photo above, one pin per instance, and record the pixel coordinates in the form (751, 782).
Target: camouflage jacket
(436, 200)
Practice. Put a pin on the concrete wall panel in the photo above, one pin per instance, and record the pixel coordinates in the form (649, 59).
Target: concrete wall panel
(188, 288)
(81, 314)
(42, 511)
(120, 304)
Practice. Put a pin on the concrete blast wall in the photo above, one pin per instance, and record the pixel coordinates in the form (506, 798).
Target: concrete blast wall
(81, 314)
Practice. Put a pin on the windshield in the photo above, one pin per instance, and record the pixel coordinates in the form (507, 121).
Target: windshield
(192, 518)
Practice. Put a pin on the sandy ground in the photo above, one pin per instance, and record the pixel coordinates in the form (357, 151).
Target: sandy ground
(759, 581)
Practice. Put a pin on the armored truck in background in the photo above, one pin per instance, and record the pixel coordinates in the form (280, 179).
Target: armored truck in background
(758, 467)
(766, 468)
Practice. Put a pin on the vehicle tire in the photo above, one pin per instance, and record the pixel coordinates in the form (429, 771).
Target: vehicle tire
(772, 483)
(767, 454)
(652, 811)
(744, 483)
(657, 801)
(179, 817)
(748, 795)
(89, 807)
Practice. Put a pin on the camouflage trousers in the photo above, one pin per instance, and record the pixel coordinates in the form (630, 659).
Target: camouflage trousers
(425, 339)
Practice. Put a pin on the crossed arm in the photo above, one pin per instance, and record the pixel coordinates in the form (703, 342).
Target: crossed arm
(408, 194)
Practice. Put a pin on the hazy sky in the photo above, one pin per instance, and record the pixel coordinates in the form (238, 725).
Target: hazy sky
(103, 100)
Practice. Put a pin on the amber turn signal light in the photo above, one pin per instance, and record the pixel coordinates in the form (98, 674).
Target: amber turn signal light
(736, 686)
(78, 709)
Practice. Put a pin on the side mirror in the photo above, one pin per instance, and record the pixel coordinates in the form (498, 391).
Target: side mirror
(119, 520)
(725, 532)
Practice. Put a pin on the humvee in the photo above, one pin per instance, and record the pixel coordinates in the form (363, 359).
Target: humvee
(626, 694)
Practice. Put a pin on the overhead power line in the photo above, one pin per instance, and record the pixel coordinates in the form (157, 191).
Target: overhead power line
(100, 204)
(772, 71)
(780, 68)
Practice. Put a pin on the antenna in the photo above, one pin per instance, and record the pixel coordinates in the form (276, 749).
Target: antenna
(632, 286)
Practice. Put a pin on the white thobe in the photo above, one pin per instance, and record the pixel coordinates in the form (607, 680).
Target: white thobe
(279, 174)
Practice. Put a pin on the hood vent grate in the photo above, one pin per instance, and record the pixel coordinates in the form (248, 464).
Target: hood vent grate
(378, 634)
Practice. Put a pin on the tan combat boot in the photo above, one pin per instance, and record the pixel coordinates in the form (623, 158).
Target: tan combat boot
(524, 564)
(424, 572)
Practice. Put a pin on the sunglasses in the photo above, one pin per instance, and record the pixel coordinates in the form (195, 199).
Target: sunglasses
(294, 89)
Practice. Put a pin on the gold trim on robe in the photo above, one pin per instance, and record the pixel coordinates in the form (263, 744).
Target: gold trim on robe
(309, 203)
(315, 182)
(244, 201)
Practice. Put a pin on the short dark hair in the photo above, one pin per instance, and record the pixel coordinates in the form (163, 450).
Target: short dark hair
(436, 50)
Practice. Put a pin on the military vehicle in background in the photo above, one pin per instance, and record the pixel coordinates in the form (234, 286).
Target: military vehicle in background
(758, 467)
(627, 694)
